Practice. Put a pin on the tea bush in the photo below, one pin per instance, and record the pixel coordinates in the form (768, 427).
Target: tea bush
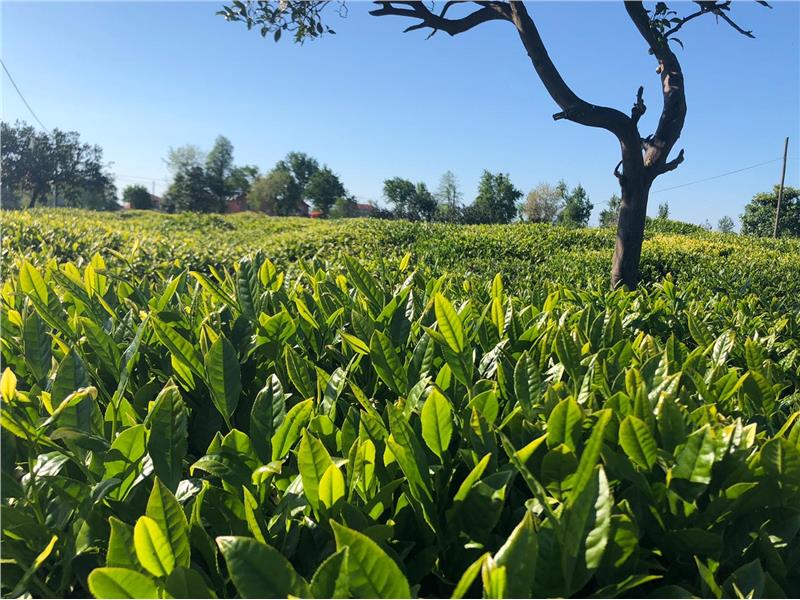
(183, 423)
(156, 245)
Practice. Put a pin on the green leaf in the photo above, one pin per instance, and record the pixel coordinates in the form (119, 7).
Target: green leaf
(331, 487)
(186, 583)
(591, 452)
(695, 460)
(386, 362)
(167, 513)
(449, 323)
(102, 344)
(518, 555)
(586, 530)
(568, 352)
(247, 288)
(37, 345)
(180, 349)
(31, 283)
(468, 577)
(70, 377)
(355, 343)
(169, 436)
(564, 425)
(114, 582)
(699, 331)
(300, 373)
(289, 431)
(124, 459)
(437, 422)
(745, 582)
(526, 381)
(268, 412)
(312, 460)
(409, 454)
(470, 480)
(494, 579)
(330, 579)
(120, 545)
(152, 547)
(258, 570)
(758, 387)
(333, 389)
(637, 442)
(781, 460)
(224, 376)
(225, 464)
(371, 573)
(212, 288)
(365, 283)
(253, 516)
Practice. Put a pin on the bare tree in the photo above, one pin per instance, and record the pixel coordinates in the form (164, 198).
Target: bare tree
(642, 158)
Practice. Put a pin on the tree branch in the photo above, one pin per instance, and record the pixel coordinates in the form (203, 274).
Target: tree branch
(730, 22)
(617, 173)
(489, 11)
(572, 106)
(673, 113)
(716, 8)
(672, 164)
(638, 107)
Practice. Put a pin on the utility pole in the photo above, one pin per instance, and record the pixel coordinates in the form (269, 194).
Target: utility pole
(780, 190)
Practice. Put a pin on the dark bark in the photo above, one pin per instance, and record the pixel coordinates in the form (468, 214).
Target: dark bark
(642, 159)
(635, 190)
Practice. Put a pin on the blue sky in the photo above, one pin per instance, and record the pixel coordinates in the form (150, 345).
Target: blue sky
(374, 103)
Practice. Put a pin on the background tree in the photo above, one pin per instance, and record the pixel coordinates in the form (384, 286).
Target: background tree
(137, 197)
(759, 214)
(577, 209)
(423, 205)
(241, 179)
(219, 164)
(399, 193)
(410, 201)
(448, 194)
(643, 158)
(663, 211)
(276, 193)
(300, 165)
(323, 189)
(190, 191)
(496, 200)
(544, 202)
(183, 158)
(214, 172)
(610, 214)
(56, 167)
(725, 225)
(343, 207)
(445, 213)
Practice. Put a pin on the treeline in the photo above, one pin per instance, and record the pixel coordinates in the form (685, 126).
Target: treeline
(57, 169)
(52, 168)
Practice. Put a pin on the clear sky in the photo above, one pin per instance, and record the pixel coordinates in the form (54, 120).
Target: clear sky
(373, 103)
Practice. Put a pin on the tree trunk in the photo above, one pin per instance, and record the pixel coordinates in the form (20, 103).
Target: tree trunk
(630, 228)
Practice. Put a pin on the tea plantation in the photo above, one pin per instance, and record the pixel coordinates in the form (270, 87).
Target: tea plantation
(207, 406)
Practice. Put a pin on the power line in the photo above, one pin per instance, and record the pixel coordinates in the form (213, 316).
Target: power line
(675, 187)
(14, 83)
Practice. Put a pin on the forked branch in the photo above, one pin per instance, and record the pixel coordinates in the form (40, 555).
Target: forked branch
(489, 11)
(639, 107)
(719, 9)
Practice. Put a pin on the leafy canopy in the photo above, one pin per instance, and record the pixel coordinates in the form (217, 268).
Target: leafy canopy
(759, 214)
